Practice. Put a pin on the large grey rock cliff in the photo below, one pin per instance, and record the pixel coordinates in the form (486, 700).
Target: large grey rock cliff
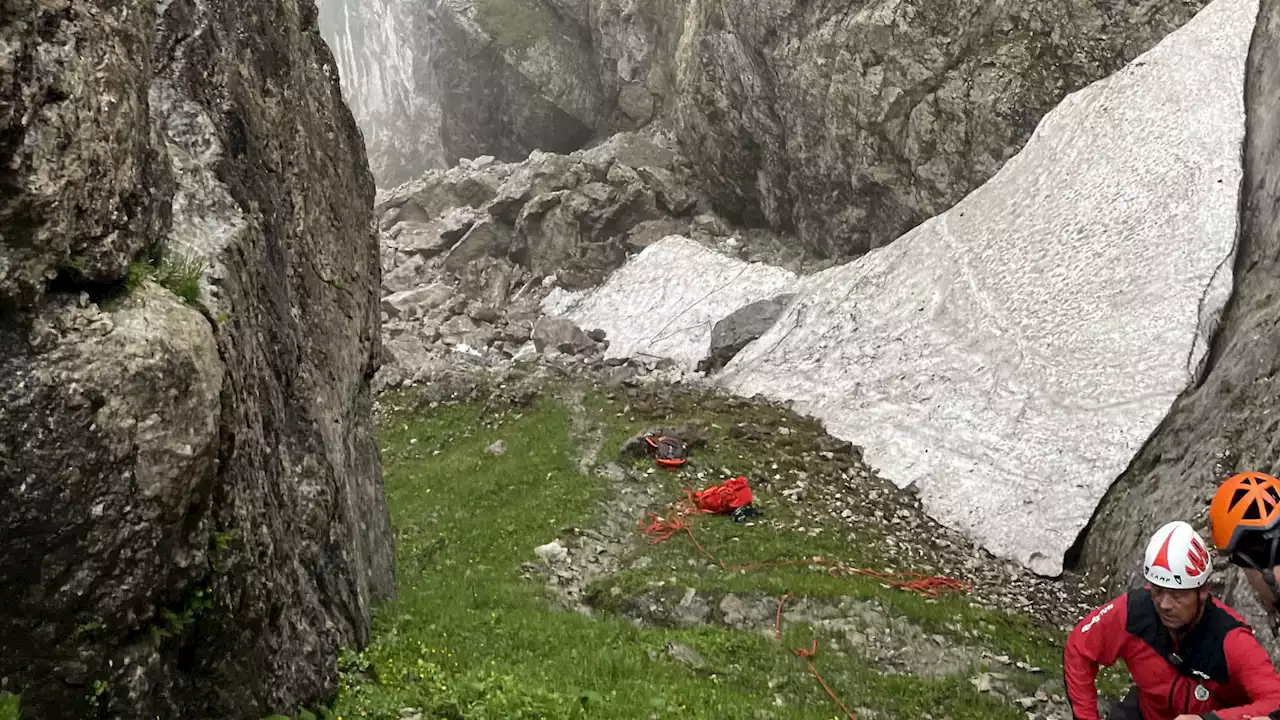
(1227, 423)
(378, 49)
(852, 122)
(190, 495)
(849, 122)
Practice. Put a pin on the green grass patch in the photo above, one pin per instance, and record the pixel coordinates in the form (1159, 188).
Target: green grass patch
(469, 637)
(730, 452)
(8, 706)
(179, 274)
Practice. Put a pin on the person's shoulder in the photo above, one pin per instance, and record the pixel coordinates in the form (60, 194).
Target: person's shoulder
(1230, 611)
(1117, 605)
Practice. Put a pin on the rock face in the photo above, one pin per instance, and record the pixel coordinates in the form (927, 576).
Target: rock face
(853, 122)
(847, 122)
(1227, 422)
(736, 330)
(468, 254)
(383, 68)
(572, 216)
(1010, 356)
(190, 492)
(512, 76)
(433, 82)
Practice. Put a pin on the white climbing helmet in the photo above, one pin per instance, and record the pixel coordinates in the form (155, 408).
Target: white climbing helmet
(1177, 557)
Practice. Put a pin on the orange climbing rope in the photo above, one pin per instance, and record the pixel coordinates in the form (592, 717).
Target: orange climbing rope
(660, 529)
(807, 656)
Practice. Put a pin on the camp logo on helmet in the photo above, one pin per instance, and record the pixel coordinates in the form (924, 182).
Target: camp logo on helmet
(1163, 578)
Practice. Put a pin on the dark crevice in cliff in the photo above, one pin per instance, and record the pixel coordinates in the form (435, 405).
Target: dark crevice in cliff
(1243, 254)
(70, 281)
(1071, 560)
(1197, 442)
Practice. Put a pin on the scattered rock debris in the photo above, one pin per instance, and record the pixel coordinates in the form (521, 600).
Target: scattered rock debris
(829, 488)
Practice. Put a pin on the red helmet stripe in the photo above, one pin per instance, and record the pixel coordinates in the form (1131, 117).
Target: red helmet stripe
(1197, 558)
(1162, 557)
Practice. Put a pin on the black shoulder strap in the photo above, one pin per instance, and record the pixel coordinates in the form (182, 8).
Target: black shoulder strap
(1201, 655)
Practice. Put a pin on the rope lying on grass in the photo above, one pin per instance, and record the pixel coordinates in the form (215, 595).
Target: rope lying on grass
(807, 656)
(659, 529)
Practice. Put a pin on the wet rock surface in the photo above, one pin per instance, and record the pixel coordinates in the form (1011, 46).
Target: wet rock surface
(190, 490)
(736, 330)
(847, 123)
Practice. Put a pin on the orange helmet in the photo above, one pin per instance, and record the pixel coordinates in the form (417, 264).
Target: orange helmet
(1246, 501)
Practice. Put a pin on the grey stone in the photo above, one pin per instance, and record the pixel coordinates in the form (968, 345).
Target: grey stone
(517, 332)
(540, 174)
(489, 281)
(457, 326)
(483, 336)
(217, 463)
(428, 198)
(419, 238)
(414, 303)
(736, 330)
(487, 238)
(455, 223)
(484, 313)
(633, 150)
(559, 334)
(573, 216)
(91, 137)
(110, 438)
(649, 232)
(685, 654)
(407, 275)
(571, 233)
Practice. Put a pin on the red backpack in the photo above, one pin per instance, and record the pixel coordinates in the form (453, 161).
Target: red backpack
(727, 497)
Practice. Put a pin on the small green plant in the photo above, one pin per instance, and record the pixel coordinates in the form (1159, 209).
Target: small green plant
(75, 265)
(97, 697)
(175, 623)
(139, 272)
(179, 274)
(9, 705)
(88, 629)
(221, 549)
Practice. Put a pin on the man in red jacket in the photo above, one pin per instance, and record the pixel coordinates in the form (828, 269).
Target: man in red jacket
(1191, 656)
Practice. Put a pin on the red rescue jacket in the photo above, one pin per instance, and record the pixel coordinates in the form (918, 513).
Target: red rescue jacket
(1219, 671)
